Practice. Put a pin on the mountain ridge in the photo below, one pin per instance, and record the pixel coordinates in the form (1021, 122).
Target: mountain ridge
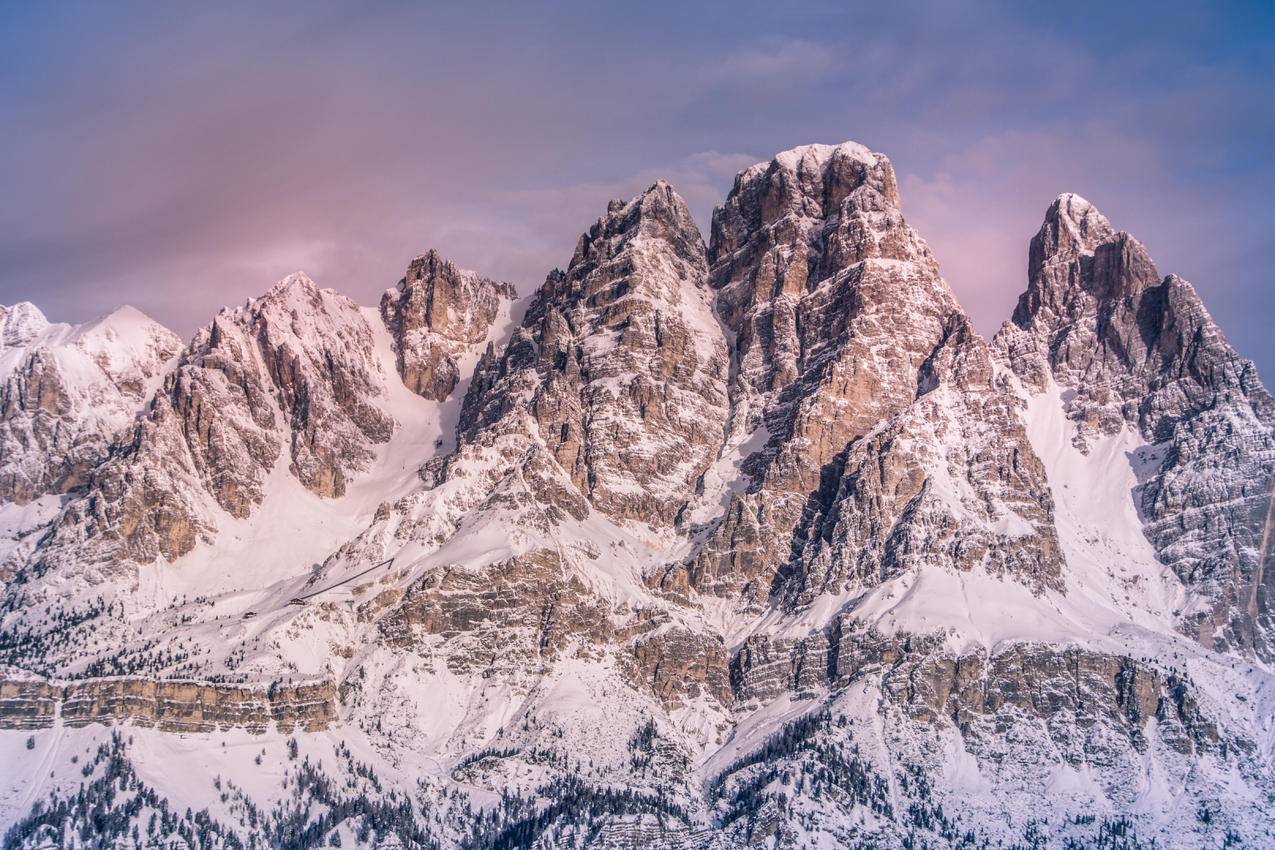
(753, 543)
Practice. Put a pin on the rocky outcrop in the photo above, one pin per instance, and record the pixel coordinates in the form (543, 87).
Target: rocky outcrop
(1070, 690)
(511, 615)
(436, 313)
(171, 706)
(765, 668)
(1133, 350)
(874, 394)
(680, 666)
(67, 391)
(1077, 696)
(28, 703)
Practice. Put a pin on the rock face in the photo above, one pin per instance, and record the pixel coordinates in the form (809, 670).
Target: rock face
(876, 398)
(67, 391)
(1076, 695)
(172, 706)
(435, 313)
(618, 372)
(1133, 350)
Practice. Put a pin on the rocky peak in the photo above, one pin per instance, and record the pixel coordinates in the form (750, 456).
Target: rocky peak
(656, 214)
(807, 182)
(619, 368)
(853, 358)
(1134, 353)
(293, 370)
(21, 323)
(1072, 227)
(809, 215)
(1081, 270)
(68, 390)
(436, 313)
(1098, 317)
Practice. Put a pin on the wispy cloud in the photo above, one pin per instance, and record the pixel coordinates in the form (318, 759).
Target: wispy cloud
(778, 60)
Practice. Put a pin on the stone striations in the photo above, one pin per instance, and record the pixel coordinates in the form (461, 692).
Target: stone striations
(617, 375)
(169, 705)
(1130, 349)
(887, 443)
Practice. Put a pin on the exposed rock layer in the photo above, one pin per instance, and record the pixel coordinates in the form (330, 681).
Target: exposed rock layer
(171, 706)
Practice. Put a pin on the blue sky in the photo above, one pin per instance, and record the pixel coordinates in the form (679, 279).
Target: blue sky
(181, 158)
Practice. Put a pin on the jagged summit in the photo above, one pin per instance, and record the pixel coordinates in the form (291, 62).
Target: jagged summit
(67, 392)
(297, 280)
(815, 158)
(618, 370)
(294, 290)
(22, 323)
(1138, 355)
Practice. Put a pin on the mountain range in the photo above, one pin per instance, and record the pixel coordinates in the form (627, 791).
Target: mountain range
(747, 543)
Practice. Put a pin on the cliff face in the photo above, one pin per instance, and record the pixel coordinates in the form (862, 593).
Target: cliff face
(170, 706)
(435, 314)
(1133, 350)
(887, 442)
(289, 375)
(619, 369)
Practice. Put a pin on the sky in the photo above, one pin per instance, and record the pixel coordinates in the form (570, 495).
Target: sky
(182, 157)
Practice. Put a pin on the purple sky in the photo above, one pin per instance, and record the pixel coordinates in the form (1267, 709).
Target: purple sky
(181, 158)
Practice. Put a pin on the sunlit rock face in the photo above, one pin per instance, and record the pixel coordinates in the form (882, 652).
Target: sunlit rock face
(619, 370)
(887, 442)
(1133, 350)
(289, 375)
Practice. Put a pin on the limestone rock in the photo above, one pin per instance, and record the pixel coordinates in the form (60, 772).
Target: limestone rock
(619, 368)
(67, 391)
(872, 392)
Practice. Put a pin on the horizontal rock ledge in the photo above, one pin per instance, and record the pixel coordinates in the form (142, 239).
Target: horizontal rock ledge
(168, 705)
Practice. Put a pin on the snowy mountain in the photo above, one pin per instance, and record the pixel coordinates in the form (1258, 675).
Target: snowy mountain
(749, 544)
(68, 391)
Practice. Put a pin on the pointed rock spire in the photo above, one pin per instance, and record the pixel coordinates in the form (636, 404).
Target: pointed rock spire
(436, 313)
(619, 369)
(1136, 352)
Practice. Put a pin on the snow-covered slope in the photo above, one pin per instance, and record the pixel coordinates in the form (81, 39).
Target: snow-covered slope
(753, 544)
